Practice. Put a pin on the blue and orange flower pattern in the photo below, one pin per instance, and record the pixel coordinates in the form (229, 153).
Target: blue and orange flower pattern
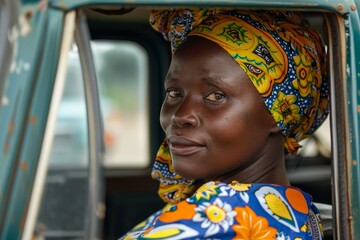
(235, 211)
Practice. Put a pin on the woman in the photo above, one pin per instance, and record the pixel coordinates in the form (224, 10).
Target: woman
(221, 168)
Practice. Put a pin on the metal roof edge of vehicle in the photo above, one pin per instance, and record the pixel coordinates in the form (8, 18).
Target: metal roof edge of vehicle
(339, 6)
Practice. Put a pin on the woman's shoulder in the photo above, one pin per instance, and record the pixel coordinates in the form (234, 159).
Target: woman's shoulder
(275, 206)
(261, 195)
(237, 210)
(260, 190)
(283, 207)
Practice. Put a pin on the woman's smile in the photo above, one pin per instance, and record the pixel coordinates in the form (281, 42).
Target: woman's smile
(184, 146)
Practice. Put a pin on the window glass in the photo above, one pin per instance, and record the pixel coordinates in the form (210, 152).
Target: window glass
(121, 68)
(70, 143)
(319, 143)
(62, 212)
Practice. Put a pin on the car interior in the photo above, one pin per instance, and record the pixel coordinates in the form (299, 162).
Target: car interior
(130, 61)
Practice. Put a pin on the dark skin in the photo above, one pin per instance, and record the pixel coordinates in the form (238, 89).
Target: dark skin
(216, 123)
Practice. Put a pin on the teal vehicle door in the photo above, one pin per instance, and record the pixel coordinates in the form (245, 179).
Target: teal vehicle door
(31, 100)
(8, 23)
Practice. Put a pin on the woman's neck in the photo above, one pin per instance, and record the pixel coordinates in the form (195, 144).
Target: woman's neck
(268, 168)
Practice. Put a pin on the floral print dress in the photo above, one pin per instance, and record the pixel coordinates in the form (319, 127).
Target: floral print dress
(235, 211)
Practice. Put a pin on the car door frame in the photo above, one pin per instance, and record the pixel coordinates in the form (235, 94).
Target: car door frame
(29, 91)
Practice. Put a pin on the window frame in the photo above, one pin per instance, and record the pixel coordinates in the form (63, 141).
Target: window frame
(96, 205)
(339, 126)
(74, 25)
(157, 72)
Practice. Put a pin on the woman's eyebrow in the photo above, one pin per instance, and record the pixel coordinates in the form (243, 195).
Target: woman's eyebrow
(216, 81)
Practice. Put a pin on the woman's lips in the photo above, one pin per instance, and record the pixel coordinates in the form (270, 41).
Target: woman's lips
(184, 146)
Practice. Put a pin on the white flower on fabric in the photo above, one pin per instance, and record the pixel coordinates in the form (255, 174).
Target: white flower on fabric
(214, 216)
(224, 191)
(241, 189)
(244, 196)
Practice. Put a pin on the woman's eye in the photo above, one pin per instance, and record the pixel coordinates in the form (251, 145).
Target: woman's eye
(173, 93)
(215, 97)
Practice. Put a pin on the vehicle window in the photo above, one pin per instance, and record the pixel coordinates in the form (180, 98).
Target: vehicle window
(70, 141)
(319, 144)
(122, 72)
(311, 168)
(128, 56)
(63, 206)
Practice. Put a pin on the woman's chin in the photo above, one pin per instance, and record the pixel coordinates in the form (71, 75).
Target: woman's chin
(189, 173)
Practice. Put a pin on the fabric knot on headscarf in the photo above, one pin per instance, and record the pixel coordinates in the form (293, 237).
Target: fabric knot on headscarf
(173, 187)
(282, 56)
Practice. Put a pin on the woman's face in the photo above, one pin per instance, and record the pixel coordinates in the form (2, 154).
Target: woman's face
(215, 121)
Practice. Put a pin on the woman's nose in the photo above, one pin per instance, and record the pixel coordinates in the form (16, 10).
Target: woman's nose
(185, 115)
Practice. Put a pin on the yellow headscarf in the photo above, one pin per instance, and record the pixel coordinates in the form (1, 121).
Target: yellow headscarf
(280, 53)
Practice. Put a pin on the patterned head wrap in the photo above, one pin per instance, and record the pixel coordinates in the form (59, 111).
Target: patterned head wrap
(283, 57)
